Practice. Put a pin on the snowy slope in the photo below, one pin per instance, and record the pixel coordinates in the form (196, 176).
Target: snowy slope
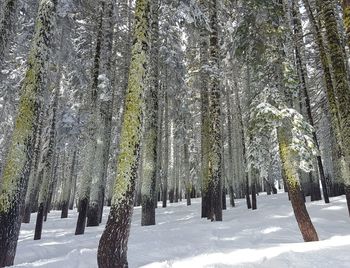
(267, 237)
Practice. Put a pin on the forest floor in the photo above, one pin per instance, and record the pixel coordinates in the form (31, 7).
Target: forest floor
(267, 237)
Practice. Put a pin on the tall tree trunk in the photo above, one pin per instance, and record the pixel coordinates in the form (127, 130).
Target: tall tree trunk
(91, 154)
(34, 181)
(230, 148)
(302, 76)
(338, 157)
(112, 249)
(166, 151)
(215, 139)
(150, 142)
(341, 83)
(66, 192)
(105, 116)
(205, 127)
(14, 181)
(46, 165)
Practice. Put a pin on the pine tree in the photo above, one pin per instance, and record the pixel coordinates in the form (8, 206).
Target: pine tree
(15, 176)
(341, 86)
(112, 250)
(150, 138)
(215, 151)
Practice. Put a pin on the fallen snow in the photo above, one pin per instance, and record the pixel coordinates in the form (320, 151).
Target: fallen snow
(267, 237)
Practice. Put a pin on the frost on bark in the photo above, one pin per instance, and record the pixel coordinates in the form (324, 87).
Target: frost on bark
(46, 169)
(33, 184)
(7, 17)
(230, 147)
(341, 87)
(92, 157)
(290, 169)
(150, 138)
(105, 113)
(204, 83)
(215, 150)
(67, 186)
(14, 179)
(302, 70)
(338, 156)
(112, 250)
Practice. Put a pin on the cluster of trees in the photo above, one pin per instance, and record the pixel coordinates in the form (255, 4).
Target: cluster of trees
(123, 103)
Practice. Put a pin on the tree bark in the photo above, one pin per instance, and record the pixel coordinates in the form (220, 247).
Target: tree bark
(289, 166)
(112, 249)
(150, 142)
(14, 181)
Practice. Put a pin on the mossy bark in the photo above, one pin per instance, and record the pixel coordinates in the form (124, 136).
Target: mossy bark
(340, 97)
(290, 169)
(112, 249)
(302, 71)
(13, 185)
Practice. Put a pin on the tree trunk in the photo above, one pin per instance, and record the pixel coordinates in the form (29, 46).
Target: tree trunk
(166, 151)
(112, 249)
(150, 138)
(339, 99)
(205, 124)
(7, 18)
(93, 151)
(46, 165)
(289, 166)
(14, 181)
(302, 70)
(66, 193)
(215, 139)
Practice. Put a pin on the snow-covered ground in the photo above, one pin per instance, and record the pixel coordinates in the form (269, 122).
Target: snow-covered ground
(267, 237)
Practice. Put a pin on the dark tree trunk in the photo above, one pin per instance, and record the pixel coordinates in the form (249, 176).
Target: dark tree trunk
(254, 203)
(231, 193)
(64, 212)
(102, 203)
(9, 231)
(110, 253)
(148, 212)
(93, 215)
(188, 196)
(83, 207)
(205, 205)
(347, 194)
(39, 222)
(164, 197)
(171, 195)
(224, 206)
(249, 204)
